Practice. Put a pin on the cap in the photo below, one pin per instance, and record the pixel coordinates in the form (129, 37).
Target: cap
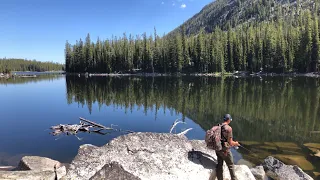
(227, 117)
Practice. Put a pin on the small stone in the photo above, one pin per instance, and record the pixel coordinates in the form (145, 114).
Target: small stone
(61, 171)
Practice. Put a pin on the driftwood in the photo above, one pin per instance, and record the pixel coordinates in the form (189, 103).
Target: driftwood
(175, 123)
(95, 124)
(185, 132)
(84, 126)
(88, 126)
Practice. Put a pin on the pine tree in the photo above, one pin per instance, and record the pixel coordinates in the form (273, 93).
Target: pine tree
(186, 60)
(68, 57)
(315, 45)
(88, 55)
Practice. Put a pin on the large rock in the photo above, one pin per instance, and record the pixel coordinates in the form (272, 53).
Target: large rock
(149, 156)
(278, 170)
(258, 173)
(38, 163)
(299, 160)
(27, 175)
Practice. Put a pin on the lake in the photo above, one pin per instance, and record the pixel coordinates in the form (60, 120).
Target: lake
(271, 115)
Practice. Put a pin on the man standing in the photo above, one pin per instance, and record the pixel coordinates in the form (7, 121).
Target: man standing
(225, 154)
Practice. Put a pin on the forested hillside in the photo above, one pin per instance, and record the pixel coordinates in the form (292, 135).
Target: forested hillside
(225, 13)
(8, 65)
(273, 36)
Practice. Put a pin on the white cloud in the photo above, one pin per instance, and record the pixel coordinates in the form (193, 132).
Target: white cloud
(183, 6)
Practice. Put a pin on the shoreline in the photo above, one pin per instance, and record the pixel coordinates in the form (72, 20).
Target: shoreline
(218, 74)
(126, 154)
(236, 74)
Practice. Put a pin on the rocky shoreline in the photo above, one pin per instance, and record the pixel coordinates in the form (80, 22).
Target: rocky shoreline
(146, 156)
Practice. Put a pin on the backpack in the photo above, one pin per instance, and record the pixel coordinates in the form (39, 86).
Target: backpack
(213, 138)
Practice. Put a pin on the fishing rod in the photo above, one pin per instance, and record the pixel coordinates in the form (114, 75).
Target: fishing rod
(255, 155)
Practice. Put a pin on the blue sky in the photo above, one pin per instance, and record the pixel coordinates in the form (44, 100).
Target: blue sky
(38, 29)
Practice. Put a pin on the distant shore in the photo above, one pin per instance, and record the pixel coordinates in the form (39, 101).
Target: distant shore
(235, 74)
(28, 73)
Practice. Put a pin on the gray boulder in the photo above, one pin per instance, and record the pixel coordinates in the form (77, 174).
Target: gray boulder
(258, 173)
(27, 175)
(278, 170)
(37, 167)
(149, 156)
(38, 163)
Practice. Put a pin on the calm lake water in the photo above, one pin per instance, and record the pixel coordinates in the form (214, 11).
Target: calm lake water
(272, 116)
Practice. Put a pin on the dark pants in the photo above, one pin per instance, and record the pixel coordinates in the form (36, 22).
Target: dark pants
(227, 157)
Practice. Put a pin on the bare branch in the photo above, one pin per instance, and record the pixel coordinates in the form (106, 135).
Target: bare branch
(176, 122)
(185, 132)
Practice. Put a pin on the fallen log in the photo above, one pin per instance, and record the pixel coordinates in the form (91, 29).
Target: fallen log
(84, 126)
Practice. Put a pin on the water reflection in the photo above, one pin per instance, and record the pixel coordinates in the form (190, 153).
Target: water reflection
(272, 116)
(275, 109)
(26, 80)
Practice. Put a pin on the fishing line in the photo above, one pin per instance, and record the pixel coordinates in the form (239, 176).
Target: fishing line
(255, 155)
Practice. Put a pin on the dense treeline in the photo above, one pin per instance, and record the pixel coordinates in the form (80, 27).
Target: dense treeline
(283, 45)
(289, 114)
(8, 65)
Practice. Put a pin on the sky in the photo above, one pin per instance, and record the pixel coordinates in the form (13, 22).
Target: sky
(38, 29)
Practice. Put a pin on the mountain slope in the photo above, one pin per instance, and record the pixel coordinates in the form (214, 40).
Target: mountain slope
(222, 13)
